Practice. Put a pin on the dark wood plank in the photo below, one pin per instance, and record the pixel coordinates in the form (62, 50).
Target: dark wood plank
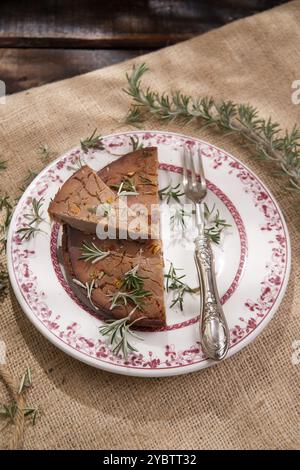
(116, 23)
(21, 69)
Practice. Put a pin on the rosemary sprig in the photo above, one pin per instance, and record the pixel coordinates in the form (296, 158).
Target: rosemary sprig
(28, 232)
(45, 154)
(9, 411)
(146, 181)
(90, 252)
(127, 187)
(3, 165)
(6, 206)
(94, 142)
(118, 332)
(179, 218)
(88, 287)
(134, 116)
(26, 380)
(170, 192)
(175, 283)
(33, 412)
(5, 203)
(3, 282)
(136, 296)
(215, 225)
(79, 163)
(132, 280)
(35, 218)
(264, 136)
(136, 144)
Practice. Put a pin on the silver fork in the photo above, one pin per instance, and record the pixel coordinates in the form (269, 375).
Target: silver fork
(214, 333)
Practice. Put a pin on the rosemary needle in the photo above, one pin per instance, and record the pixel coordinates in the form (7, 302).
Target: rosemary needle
(88, 287)
(171, 192)
(94, 142)
(118, 332)
(127, 187)
(90, 252)
(174, 282)
(35, 218)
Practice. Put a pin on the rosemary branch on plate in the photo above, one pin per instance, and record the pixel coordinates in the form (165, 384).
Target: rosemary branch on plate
(94, 142)
(28, 232)
(90, 252)
(179, 218)
(118, 332)
(88, 287)
(35, 218)
(215, 225)
(135, 293)
(132, 280)
(136, 144)
(136, 296)
(171, 192)
(127, 187)
(79, 163)
(144, 180)
(264, 136)
(175, 283)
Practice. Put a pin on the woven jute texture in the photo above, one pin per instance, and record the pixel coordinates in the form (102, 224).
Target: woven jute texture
(251, 400)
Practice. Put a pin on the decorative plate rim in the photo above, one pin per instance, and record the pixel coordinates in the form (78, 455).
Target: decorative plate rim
(141, 371)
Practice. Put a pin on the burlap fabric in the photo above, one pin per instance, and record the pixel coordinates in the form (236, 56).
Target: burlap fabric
(251, 400)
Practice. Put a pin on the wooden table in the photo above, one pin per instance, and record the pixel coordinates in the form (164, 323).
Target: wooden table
(44, 41)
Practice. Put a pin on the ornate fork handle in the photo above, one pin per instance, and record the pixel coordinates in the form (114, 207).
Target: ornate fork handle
(213, 326)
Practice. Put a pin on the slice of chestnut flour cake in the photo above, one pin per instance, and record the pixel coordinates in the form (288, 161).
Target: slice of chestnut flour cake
(86, 203)
(124, 276)
(136, 171)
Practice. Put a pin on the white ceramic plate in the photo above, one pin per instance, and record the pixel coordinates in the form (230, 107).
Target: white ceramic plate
(252, 262)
